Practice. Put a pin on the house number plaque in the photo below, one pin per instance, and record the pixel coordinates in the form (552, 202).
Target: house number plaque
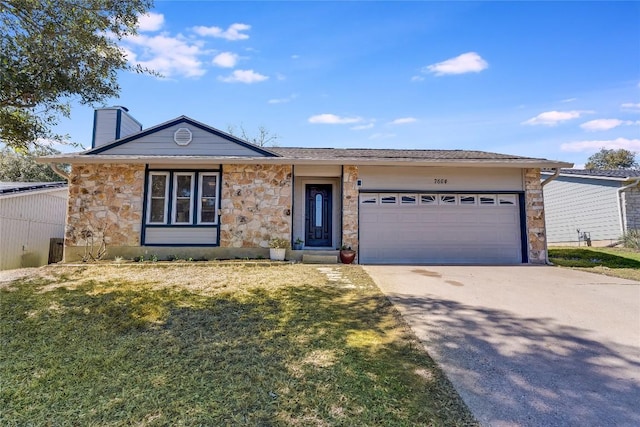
(439, 180)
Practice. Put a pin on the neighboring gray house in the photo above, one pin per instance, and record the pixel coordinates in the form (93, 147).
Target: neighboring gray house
(31, 213)
(600, 204)
(183, 188)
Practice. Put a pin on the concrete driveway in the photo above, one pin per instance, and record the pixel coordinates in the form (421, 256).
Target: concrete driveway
(527, 345)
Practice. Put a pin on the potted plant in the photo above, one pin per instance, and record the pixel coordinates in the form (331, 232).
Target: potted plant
(278, 248)
(347, 255)
(297, 245)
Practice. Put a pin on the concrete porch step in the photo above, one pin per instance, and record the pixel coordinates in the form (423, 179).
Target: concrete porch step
(319, 256)
(319, 259)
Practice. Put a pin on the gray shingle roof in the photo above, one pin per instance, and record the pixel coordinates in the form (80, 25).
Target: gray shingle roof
(605, 173)
(368, 153)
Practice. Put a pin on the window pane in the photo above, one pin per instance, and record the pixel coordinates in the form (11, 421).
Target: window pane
(157, 210)
(487, 200)
(158, 185)
(388, 199)
(428, 199)
(318, 210)
(182, 210)
(408, 200)
(183, 187)
(208, 186)
(208, 210)
(507, 200)
(368, 200)
(447, 200)
(467, 200)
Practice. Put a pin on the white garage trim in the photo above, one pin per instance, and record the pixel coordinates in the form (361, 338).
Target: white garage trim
(441, 228)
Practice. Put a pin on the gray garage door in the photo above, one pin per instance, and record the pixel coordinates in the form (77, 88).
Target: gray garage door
(432, 228)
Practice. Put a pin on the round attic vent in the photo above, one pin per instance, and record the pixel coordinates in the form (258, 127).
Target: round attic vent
(182, 136)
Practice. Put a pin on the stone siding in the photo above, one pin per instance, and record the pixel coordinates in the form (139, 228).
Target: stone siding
(350, 207)
(255, 205)
(534, 205)
(105, 200)
(632, 208)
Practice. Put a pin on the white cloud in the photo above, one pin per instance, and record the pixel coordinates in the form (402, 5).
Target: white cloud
(469, 62)
(630, 106)
(295, 56)
(552, 118)
(332, 119)
(150, 21)
(283, 100)
(243, 76)
(382, 136)
(403, 121)
(593, 146)
(417, 78)
(362, 127)
(234, 32)
(569, 100)
(606, 124)
(170, 56)
(225, 60)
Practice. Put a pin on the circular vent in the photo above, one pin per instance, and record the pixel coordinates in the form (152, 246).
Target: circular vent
(182, 136)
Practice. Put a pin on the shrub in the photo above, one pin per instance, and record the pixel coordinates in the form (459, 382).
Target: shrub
(631, 239)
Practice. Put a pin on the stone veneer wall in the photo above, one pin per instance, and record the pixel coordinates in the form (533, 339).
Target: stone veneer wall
(350, 207)
(105, 199)
(534, 204)
(632, 208)
(255, 204)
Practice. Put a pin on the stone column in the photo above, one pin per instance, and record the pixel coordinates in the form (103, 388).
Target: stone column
(255, 205)
(535, 226)
(350, 207)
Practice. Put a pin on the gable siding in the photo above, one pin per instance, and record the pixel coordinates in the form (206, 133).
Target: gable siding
(202, 144)
(588, 205)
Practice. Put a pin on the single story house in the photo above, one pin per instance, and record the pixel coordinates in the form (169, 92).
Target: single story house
(31, 214)
(183, 187)
(599, 205)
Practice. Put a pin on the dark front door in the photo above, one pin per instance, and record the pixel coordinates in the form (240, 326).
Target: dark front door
(318, 215)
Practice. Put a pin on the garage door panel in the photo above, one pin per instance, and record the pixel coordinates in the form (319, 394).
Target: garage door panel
(445, 234)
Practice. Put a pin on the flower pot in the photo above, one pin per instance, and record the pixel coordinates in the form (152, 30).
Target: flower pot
(277, 254)
(297, 246)
(347, 256)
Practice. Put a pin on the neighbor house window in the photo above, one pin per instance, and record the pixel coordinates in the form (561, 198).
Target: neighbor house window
(158, 197)
(182, 198)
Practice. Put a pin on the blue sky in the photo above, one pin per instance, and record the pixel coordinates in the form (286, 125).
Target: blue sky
(558, 80)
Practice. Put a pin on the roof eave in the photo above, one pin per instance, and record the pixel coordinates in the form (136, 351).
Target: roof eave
(204, 160)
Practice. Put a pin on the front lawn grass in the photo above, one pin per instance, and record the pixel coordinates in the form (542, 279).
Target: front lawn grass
(213, 345)
(618, 262)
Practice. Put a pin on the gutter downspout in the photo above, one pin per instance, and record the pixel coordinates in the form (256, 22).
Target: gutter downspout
(623, 228)
(56, 168)
(556, 173)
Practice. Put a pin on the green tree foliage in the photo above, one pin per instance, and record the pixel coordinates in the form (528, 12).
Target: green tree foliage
(56, 51)
(612, 159)
(22, 167)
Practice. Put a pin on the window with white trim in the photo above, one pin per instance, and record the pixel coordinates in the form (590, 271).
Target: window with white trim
(506, 199)
(368, 199)
(388, 199)
(467, 199)
(428, 199)
(182, 198)
(208, 191)
(408, 199)
(487, 199)
(158, 197)
(448, 199)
